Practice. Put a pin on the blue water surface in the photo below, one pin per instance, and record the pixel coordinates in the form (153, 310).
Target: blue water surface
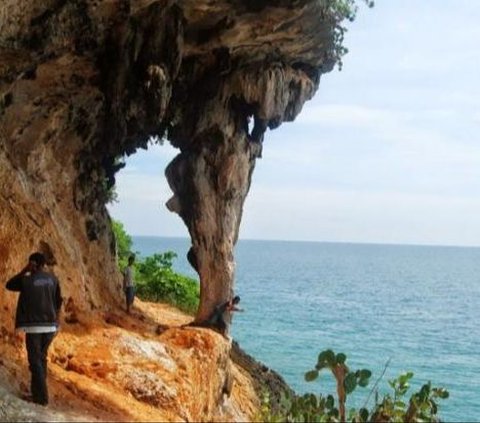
(417, 306)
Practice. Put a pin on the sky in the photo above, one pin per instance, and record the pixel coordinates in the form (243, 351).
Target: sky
(387, 151)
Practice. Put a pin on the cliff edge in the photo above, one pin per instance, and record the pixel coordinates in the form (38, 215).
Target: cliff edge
(110, 366)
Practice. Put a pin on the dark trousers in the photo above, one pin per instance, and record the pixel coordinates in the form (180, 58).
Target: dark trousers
(37, 348)
(129, 295)
(217, 320)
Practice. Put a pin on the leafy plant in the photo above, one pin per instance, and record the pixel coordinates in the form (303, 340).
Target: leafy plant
(335, 12)
(420, 407)
(305, 408)
(157, 281)
(154, 275)
(123, 243)
(346, 379)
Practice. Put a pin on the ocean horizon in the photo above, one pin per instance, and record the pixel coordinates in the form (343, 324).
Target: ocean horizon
(393, 244)
(415, 306)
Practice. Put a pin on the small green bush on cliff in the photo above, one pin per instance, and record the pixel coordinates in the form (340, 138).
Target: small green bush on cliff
(157, 281)
(422, 406)
(336, 12)
(123, 243)
(154, 275)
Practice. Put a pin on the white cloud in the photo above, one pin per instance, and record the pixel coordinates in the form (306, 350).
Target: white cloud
(388, 151)
(344, 115)
(403, 167)
(352, 216)
(408, 143)
(476, 117)
(141, 206)
(163, 151)
(138, 187)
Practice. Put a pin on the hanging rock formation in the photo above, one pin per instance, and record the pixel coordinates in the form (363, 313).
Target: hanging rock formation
(85, 82)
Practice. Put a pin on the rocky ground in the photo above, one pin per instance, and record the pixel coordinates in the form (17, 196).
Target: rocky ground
(139, 367)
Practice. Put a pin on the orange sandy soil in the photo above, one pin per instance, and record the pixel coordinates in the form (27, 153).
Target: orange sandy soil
(110, 366)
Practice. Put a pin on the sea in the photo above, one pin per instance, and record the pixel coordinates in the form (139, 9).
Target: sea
(389, 308)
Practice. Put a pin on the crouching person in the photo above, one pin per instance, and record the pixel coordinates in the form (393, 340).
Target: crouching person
(222, 314)
(37, 315)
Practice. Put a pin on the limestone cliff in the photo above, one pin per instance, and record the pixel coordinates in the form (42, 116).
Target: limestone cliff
(84, 82)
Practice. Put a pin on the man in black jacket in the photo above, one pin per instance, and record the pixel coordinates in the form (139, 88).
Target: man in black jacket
(37, 314)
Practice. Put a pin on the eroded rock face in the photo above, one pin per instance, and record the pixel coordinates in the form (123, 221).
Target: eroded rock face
(83, 82)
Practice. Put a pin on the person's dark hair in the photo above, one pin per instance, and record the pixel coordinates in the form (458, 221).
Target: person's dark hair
(38, 258)
(236, 299)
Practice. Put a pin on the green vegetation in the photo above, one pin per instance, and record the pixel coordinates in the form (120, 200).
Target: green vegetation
(420, 407)
(336, 11)
(124, 243)
(157, 281)
(347, 380)
(154, 276)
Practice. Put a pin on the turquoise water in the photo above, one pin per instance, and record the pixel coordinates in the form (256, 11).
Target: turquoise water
(417, 306)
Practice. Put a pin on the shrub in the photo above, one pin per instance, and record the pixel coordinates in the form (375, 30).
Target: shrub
(155, 279)
(123, 243)
(421, 406)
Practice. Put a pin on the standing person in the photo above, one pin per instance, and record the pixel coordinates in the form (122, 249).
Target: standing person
(37, 315)
(217, 319)
(128, 285)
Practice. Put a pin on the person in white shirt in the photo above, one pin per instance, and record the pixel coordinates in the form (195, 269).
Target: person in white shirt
(128, 284)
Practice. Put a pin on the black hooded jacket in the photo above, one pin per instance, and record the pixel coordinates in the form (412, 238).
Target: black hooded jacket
(40, 299)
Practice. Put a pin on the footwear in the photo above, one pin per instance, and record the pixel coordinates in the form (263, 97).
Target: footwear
(40, 402)
(26, 397)
(29, 398)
